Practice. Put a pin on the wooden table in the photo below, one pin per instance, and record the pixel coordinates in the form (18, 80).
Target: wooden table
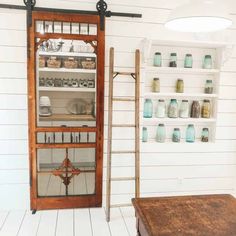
(208, 215)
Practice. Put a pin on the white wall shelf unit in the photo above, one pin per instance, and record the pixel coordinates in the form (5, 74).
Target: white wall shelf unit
(194, 82)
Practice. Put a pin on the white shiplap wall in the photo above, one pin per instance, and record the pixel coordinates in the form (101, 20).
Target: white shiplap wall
(165, 171)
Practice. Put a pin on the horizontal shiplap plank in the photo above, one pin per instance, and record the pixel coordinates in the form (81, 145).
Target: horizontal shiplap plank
(13, 147)
(13, 117)
(14, 176)
(13, 102)
(13, 132)
(8, 162)
(19, 71)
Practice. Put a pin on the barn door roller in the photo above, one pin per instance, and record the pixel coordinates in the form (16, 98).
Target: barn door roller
(101, 6)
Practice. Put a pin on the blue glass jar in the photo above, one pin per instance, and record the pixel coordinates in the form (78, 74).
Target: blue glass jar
(145, 135)
(188, 62)
(205, 135)
(190, 134)
(161, 133)
(173, 109)
(157, 59)
(148, 108)
(173, 60)
(207, 64)
(176, 135)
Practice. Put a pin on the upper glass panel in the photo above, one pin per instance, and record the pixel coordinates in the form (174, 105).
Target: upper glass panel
(66, 77)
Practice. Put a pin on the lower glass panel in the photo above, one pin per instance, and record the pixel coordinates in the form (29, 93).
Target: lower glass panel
(66, 172)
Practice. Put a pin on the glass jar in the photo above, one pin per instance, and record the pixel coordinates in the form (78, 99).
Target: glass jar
(184, 109)
(148, 108)
(161, 133)
(161, 109)
(145, 135)
(188, 62)
(173, 109)
(173, 60)
(157, 59)
(156, 85)
(180, 86)
(176, 135)
(207, 64)
(206, 109)
(209, 87)
(205, 135)
(196, 109)
(190, 134)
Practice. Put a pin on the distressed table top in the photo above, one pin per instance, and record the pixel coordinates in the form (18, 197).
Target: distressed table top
(207, 215)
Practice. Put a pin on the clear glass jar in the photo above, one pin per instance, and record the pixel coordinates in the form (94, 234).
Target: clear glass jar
(157, 59)
(190, 134)
(188, 62)
(148, 108)
(180, 86)
(184, 109)
(209, 87)
(161, 133)
(145, 135)
(176, 135)
(195, 110)
(206, 109)
(156, 85)
(161, 109)
(207, 64)
(173, 60)
(173, 109)
(205, 135)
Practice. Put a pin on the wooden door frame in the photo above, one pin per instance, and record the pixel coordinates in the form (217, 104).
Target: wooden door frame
(41, 203)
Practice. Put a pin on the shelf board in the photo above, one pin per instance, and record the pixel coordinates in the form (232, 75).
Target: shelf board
(174, 70)
(67, 54)
(64, 70)
(180, 95)
(67, 117)
(70, 89)
(150, 121)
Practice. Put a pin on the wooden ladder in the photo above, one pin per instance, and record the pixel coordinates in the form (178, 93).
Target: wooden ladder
(136, 76)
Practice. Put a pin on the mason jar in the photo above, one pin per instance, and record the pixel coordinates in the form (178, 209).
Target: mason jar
(176, 135)
(148, 108)
(190, 134)
(188, 62)
(195, 110)
(156, 85)
(205, 135)
(145, 135)
(184, 109)
(173, 109)
(173, 60)
(209, 87)
(206, 109)
(207, 64)
(161, 109)
(161, 133)
(157, 59)
(180, 86)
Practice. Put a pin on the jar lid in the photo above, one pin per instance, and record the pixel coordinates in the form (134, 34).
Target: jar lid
(209, 81)
(144, 128)
(208, 56)
(190, 125)
(173, 54)
(188, 55)
(205, 129)
(161, 125)
(206, 100)
(148, 99)
(161, 100)
(155, 78)
(180, 80)
(157, 53)
(184, 100)
(176, 129)
(173, 100)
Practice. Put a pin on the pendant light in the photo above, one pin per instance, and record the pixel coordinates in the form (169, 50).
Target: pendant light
(200, 16)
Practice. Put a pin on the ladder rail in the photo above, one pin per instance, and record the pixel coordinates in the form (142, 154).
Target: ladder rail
(136, 99)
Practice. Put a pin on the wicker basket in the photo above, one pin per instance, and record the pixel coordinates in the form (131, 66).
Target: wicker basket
(54, 62)
(42, 62)
(88, 64)
(70, 63)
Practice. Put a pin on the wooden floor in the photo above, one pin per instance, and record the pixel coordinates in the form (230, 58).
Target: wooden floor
(81, 222)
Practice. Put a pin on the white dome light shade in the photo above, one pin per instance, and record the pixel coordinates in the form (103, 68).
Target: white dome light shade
(200, 16)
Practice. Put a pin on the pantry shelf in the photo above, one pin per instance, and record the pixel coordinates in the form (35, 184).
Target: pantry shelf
(64, 70)
(67, 117)
(68, 89)
(68, 54)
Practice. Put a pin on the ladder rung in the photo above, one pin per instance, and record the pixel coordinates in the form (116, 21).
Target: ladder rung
(124, 99)
(121, 205)
(123, 179)
(123, 126)
(124, 73)
(123, 152)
